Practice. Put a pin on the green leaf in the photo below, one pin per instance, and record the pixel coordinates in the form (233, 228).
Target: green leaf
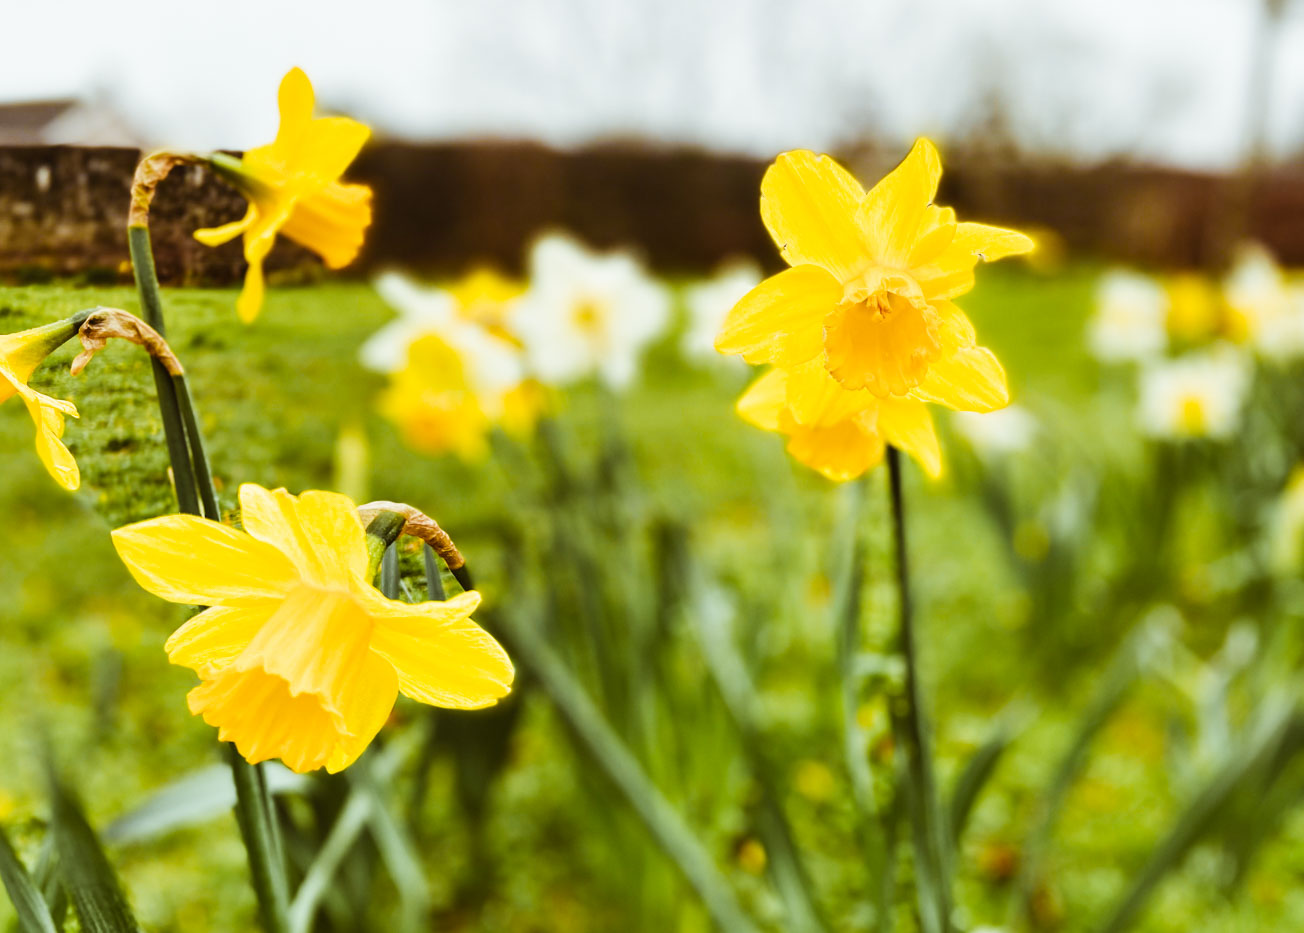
(194, 798)
(1273, 737)
(33, 915)
(87, 874)
(977, 771)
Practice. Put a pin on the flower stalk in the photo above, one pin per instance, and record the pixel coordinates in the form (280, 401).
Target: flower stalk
(193, 483)
(910, 731)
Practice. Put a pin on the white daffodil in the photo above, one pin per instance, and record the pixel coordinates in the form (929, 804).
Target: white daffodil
(1266, 311)
(587, 313)
(709, 303)
(996, 433)
(1130, 319)
(493, 365)
(1198, 395)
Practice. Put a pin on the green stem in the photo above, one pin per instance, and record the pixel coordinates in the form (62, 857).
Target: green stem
(910, 728)
(198, 456)
(434, 583)
(174, 432)
(255, 812)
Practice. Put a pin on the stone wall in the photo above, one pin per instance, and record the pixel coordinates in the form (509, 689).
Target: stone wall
(440, 208)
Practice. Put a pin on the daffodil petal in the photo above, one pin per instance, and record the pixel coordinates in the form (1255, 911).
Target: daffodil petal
(968, 379)
(216, 236)
(366, 707)
(841, 452)
(990, 243)
(781, 320)
(891, 213)
(907, 424)
(296, 100)
(764, 400)
(212, 640)
(318, 532)
(327, 147)
(816, 399)
(198, 562)
(809, 204)
(47, 414)
(442, 656)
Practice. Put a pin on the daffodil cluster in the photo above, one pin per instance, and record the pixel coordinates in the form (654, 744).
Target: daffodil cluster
(863, 330)
(1195, 340)
(455, 364)
(485, 351)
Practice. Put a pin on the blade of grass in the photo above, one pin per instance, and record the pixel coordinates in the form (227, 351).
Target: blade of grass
(848, 609)
(33, 915)
(1121, 674)
(1201, 814)
(662, 820)
(91, 882)
(734, 685)
(977, 771)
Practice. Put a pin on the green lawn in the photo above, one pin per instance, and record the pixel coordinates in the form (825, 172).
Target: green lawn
(83, 664)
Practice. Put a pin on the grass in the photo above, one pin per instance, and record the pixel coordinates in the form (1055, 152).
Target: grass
(83, 660)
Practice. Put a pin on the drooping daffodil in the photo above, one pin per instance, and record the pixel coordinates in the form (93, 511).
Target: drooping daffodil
(299, 656)
(20, 355)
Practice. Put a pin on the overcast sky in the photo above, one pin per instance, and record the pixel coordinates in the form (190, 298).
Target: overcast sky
(1164, 80)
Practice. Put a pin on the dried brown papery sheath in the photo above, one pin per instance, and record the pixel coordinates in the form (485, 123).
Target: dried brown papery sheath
(105, 324)
(418, 525)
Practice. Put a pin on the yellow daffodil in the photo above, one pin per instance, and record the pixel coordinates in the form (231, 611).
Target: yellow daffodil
(434, 402)
(872, 278)
(293, 188)
(839, 432)
(1194, 310)
(485, 298)
(20, 354)
(300, 658)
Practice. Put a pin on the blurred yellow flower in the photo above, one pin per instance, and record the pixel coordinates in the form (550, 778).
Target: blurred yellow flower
(300, 658)
(20, 354)
(868, 294)
(485, 298)
(292, 185)
(1194, 308)
(434, 402)
(835, 431)
(1264, 308)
